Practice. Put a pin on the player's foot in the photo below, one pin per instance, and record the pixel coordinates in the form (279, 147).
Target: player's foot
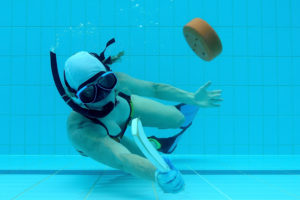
(169, 144)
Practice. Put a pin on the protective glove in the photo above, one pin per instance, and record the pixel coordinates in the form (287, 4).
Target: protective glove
(171, 181)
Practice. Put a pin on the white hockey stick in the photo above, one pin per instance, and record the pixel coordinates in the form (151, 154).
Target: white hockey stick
(146, 147)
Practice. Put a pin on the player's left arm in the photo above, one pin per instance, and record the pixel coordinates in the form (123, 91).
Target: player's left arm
(163, 91)
(131, 85)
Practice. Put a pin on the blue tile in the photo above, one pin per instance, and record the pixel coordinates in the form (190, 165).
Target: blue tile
(256, 128)
(5, 127)
(212, 149)
(295, 13)
(166, 13)
(47, 149)
(181, 7)
(239, 13)
(226, 71)
(254, 41)
(5, 78)
(285, 42)
(228, 149)
(283, 13)
(48, 13)
(256, 100)
(241, 100)
(270, 149)
(295, 98)
(268, 41)
(226, 36)
(47, 97)
(209, 11)
(242, 130)
(6, 10)
(33, 42)
(33, 71)
(226, 10)
(18, 41)
(48, 40)
(285, 131)
(285, 150)
(63, 10)
(61, 136)
(31, 150)
(240, 41)
(256, 149)
(227, 127)
(295, 41)
(151, 14)
(6, 93)
(242, 149)
(284, 71)
(166, 41)
(17, 101)
(46, 130)
(33, 13)
(269, 71)
(6, 43)
(269, 13)
(285, 100)
(4, 149)
(32, 130)
(19, 13)
(270, 130)
(254, 13)
(78, 12)
(17, 149)
(137, 48)
(17, 130)
(32, 100)
(18, 70)
(270, 106)
(136, 14)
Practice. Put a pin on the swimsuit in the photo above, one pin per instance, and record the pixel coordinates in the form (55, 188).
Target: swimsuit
(118, 137)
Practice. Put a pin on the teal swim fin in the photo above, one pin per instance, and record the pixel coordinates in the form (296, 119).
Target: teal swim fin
(168, 145)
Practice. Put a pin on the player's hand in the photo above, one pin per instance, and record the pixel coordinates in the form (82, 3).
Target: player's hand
(205, 98)
(171, 181)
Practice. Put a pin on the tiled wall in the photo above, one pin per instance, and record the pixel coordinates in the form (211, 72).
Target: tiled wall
(258, 69)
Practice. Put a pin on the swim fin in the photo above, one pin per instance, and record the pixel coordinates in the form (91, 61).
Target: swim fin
(168, 145)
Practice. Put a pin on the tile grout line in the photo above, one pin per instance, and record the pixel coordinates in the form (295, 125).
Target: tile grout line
(36, 184)
(154, 190)
(212, 185)
(264, 181)
(92, 188)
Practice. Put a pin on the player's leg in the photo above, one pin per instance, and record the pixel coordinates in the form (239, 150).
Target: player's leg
(156, 114)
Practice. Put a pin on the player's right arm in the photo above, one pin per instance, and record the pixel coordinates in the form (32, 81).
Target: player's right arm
(93, 141)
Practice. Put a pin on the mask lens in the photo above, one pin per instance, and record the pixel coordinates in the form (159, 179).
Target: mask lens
(88, 94)
(108, 81)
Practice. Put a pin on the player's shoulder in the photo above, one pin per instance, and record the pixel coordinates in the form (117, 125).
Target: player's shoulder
(76, 121)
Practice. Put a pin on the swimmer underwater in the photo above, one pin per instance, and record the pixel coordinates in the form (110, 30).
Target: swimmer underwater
(104, 103)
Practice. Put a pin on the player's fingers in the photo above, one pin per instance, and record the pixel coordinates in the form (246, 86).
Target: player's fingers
(208, 83)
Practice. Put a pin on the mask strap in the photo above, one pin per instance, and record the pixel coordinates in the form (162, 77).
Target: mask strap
(102, 56)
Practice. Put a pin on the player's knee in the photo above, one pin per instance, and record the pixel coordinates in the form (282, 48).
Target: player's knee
(179, 119)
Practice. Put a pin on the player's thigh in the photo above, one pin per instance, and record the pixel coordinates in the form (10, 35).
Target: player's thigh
(156, 114)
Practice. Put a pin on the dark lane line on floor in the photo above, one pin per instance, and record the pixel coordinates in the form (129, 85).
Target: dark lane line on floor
(185, 172)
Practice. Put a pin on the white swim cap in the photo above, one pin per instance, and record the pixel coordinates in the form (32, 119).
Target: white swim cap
(80, 67)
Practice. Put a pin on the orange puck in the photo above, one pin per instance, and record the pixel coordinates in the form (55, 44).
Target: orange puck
(203, 39)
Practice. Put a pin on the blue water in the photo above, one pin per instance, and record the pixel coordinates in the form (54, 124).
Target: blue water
(258, 72)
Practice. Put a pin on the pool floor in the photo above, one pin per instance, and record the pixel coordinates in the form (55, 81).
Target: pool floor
(206, 177)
